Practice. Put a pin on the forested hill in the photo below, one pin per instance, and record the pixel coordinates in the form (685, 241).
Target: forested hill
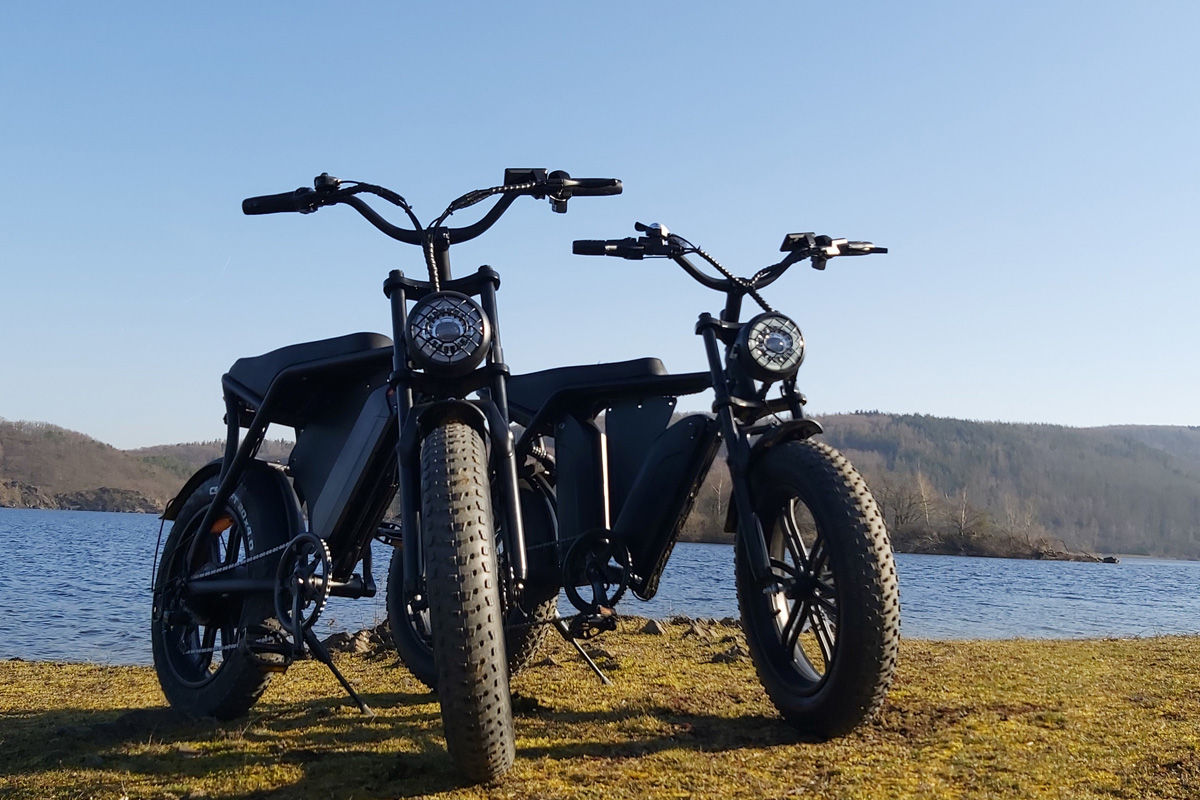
(1120, 489)
(45, 466)
(945, 485)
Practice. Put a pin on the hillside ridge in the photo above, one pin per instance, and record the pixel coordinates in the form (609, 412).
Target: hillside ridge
(943, 484)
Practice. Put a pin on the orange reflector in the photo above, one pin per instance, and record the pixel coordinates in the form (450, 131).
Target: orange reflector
(222, 524)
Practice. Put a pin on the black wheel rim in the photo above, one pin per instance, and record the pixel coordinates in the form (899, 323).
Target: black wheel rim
(416, 616)
(199, 636)
(803, 605)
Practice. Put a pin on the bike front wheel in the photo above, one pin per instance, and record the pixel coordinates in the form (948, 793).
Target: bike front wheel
(825, 636)
(466, 620)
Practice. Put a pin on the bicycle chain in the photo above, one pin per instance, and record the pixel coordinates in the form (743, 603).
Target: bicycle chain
(236, 564)
(216, 571)
(222, 649)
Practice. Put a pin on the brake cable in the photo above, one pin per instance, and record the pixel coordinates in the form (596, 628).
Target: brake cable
(747, 286)
(465, 201)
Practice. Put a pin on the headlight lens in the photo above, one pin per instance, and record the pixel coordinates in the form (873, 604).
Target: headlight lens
(771, 347)
(448, 333)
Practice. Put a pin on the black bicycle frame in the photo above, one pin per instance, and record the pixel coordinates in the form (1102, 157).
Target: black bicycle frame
(361, 412)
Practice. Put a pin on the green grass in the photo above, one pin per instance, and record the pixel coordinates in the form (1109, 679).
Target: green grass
(1014, 719)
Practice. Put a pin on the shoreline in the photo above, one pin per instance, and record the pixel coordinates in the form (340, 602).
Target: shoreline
(375, 642)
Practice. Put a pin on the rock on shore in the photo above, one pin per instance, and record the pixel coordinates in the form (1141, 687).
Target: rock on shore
(15, 494)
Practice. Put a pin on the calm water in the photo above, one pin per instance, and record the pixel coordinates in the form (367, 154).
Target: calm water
(76, 588)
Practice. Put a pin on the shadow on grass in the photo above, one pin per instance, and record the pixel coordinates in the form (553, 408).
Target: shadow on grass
(336, 750)
(686, 730)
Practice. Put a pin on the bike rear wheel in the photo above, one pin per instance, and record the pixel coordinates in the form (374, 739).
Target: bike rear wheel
(466, 619)
(196, 640)
(825, 638)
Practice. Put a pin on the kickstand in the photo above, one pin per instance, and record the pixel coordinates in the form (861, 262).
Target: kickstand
(561, 626)
(322, 655)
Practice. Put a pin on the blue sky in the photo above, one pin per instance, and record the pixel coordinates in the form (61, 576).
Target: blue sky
(1032, 167)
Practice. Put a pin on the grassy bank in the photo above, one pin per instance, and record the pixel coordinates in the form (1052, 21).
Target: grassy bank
(1019, 719)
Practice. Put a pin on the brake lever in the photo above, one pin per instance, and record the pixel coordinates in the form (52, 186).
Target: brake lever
(559, 195)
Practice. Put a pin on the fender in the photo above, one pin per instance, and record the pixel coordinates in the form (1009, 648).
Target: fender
(789, 431)
(204, 473)
(212, 469)
(428, 417)
(435, 414)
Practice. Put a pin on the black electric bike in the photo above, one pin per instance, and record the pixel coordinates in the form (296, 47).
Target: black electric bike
(514, 487)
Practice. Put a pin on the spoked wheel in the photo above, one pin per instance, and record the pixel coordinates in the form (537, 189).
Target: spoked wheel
(196, 639)
(825, 637)
(201, 631)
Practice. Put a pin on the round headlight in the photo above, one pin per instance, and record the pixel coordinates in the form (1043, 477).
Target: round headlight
(771, 347)
(448, 333)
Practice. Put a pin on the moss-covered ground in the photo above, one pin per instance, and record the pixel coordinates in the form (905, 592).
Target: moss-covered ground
(1012, 719)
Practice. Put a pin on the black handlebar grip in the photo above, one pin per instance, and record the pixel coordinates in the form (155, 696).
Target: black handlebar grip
(862, 249)
(595, 187)
(299, 200)
(589, 247)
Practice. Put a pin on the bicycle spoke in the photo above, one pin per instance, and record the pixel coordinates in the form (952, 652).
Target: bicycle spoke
(818, 558)
(825, 639)
(207, 643)
(824, 602)
(792, 538)
(791, 634)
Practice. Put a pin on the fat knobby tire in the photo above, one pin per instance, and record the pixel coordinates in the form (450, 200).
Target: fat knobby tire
(466, 617)
(855, 684)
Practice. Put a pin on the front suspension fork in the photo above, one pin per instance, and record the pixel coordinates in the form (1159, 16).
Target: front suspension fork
(750, 530)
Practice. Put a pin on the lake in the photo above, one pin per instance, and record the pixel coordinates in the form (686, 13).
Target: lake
(77, 589)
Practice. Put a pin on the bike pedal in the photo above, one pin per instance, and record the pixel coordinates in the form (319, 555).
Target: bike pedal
(268, 648)
(589, 626)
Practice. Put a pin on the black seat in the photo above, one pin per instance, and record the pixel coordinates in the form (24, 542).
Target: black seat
(258, 372)
(527, 393)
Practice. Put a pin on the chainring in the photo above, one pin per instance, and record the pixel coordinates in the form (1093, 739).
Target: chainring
(302, 582)
(599, 563)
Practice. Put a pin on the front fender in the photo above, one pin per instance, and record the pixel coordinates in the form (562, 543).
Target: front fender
(789, 431)
(424, 418)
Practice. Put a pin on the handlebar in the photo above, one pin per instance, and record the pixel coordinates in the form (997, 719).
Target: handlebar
(660, 243)
(558, 186)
